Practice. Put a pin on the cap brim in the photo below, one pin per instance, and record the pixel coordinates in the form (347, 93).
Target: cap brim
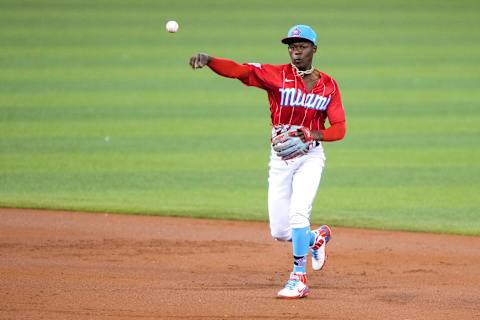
(289, 40)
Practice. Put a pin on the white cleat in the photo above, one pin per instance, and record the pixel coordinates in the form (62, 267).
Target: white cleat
(319, 254)
(295, 288)
(319, 257)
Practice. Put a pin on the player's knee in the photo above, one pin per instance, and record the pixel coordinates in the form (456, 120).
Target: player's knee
(282, 238)
(300, 220)
(281, 235)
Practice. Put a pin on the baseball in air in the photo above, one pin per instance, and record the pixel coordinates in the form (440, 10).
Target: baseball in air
(172, 26)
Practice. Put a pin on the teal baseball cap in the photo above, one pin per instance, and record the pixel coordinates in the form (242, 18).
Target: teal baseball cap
(300, 32)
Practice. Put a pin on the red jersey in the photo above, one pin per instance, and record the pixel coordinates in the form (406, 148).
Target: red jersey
(291, 103)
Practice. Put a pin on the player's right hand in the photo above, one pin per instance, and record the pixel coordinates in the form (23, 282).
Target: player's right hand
(199, 60)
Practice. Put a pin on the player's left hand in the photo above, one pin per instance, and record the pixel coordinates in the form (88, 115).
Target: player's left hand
(308, 135)
(303, 133)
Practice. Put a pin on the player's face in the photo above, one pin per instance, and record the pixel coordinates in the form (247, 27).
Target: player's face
(301, 54)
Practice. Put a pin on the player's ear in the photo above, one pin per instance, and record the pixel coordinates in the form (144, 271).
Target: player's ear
(314, 48)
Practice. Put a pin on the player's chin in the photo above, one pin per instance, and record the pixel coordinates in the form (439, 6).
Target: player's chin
(299, 63)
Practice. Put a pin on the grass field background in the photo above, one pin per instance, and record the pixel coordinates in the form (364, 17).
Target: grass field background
(99, 110)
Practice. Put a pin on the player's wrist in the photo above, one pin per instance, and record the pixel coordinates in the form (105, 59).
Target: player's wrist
(209, 59)
(317, 135)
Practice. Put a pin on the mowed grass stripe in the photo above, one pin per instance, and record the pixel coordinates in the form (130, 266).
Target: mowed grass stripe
(57, 153)
(246, 126)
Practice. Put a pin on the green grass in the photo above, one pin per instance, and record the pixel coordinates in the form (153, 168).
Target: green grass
(100, 112)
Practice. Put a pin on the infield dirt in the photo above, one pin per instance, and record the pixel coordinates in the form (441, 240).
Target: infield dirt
(66, 265)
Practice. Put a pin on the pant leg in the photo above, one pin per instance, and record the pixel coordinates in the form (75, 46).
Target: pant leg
(279, 193)
(305, 182)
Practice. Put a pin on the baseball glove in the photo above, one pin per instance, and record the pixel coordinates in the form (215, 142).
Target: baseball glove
(288, 143)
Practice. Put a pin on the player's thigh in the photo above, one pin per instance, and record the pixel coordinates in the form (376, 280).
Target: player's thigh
(279, 194)
(305, 183)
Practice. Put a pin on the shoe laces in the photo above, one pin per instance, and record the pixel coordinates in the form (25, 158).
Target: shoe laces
(291, 284)
(315, 254)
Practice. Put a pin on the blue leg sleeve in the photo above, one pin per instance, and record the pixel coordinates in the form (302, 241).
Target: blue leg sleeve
(300, 241)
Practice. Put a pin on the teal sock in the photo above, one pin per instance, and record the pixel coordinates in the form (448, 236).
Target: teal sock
(300, 243)
(299, 264)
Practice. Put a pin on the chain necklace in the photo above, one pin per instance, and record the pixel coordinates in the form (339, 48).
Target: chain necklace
(302, 73)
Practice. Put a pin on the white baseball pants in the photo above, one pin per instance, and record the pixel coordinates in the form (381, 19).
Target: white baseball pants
(292, 186)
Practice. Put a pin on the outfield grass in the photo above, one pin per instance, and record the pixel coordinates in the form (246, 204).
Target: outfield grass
(100, 112)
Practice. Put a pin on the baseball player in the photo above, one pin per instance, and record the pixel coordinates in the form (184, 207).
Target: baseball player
(301, 98)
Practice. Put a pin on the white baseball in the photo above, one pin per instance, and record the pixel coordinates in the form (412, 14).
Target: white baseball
(172, 26)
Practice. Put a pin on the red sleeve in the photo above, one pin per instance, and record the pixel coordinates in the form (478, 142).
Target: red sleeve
(335, 132)
(228, 68)
(263, 76)
(336, 117)
(251, 74)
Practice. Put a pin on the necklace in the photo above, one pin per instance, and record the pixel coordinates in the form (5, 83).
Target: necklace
(302, 73)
